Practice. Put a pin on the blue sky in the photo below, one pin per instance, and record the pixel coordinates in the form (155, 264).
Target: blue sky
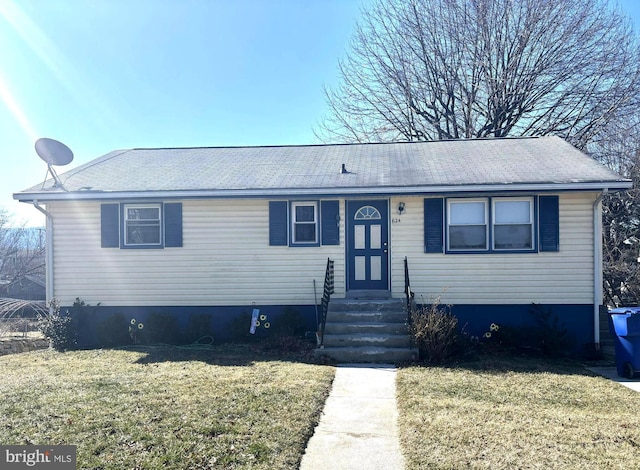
(100, 75)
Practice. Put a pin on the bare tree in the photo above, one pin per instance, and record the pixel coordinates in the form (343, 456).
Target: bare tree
(451, 69)
(22, 252)
(619, 148)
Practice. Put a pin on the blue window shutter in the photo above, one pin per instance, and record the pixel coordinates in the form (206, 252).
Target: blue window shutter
(433, 225)
(330, 221)
(549, 219)
(173, 224)
(278, 228)
(109, 225)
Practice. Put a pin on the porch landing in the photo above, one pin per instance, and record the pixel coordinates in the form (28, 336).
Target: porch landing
(366, 329)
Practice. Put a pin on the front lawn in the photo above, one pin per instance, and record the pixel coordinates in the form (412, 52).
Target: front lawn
(520, 413)
(164, 407)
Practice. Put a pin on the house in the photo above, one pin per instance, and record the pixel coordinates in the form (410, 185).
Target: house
(490, 225)
(27, 287)
(22, 263)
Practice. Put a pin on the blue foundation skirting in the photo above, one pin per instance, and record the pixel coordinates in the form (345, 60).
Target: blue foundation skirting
(577, 319)
(473, 319)
(222, 320)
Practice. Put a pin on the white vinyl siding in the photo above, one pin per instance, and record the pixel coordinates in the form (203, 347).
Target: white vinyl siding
(225, 260)
(564, 277)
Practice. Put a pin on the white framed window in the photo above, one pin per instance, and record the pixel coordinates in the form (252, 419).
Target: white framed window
(142, 225)
(467, 224)
(304, 221)
(513, 223)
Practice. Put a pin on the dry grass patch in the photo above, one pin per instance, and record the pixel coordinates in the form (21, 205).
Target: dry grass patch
(164, 408)
(516, 414)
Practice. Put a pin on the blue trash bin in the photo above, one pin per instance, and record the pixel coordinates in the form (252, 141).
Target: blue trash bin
(625, 329)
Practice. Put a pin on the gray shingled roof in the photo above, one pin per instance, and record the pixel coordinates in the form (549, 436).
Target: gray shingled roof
(462, 165)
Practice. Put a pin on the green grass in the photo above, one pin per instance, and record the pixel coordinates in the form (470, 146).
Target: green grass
(520, 413)
(164, 408)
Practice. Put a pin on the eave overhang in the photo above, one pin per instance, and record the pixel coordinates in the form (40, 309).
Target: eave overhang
(87, 195)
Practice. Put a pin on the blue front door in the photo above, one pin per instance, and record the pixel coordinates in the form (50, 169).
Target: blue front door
(368, 244)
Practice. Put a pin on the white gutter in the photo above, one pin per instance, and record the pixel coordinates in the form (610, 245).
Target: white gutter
(328, 191)
(49, 249)
(597, 266)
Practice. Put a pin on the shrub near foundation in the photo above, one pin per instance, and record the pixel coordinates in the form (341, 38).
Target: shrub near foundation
(113, 331)
(435, 332)
(160, 328)
(547, 336)
(288, 323)
(238, 328)
(66, 329)
(59, 328)
(198, 330)
(60, 331)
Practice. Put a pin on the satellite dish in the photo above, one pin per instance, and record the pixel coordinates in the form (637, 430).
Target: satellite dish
(53, 153)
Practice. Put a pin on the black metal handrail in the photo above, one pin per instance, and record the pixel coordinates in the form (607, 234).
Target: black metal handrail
(408, 292)
(326, 297)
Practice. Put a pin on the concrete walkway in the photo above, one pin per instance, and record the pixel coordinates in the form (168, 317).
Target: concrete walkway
(359, 424)
(610, 372)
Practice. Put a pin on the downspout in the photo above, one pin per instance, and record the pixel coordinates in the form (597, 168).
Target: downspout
(597, 265)
(49, 250)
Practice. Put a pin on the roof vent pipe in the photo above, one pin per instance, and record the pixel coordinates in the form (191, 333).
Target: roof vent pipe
(344, 169)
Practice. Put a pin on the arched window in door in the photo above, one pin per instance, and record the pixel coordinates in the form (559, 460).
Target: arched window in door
(367, 213)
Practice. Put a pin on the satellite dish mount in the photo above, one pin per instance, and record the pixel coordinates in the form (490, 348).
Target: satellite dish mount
(53, 153)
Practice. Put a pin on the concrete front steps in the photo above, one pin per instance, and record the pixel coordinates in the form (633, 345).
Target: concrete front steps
(366, 330)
